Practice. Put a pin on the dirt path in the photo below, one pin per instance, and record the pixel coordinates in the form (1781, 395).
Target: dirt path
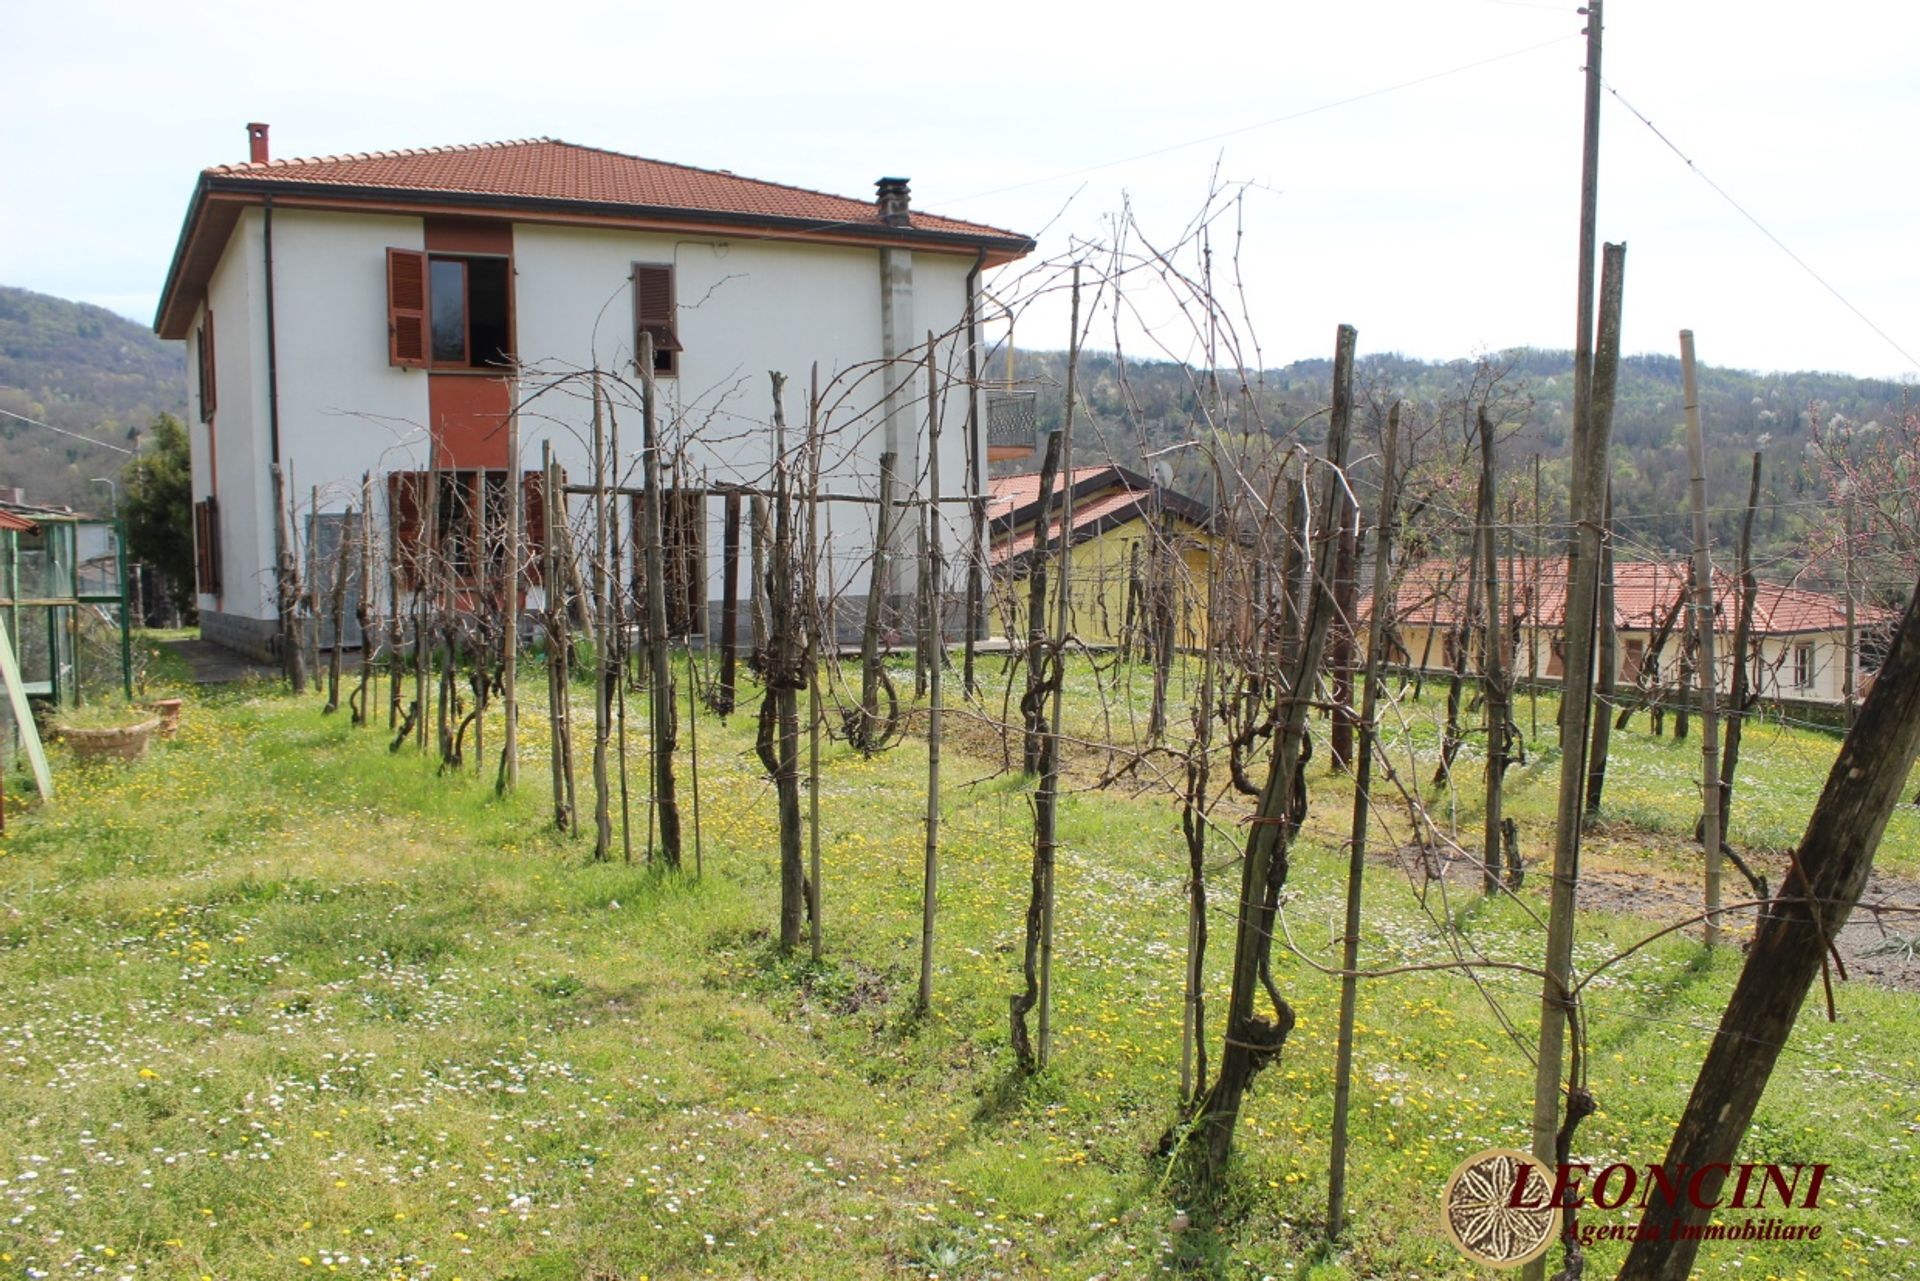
(1631, 871)
(213, 665)
(1868, 946)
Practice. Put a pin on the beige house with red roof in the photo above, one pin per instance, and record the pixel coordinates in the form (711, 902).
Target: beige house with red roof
(384, 312)
(1798, 648)
(1134, 544)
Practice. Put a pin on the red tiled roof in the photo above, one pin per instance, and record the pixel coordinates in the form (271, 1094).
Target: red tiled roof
(1085, 517)
(535, 178)
(16, 524)
(1020, 489)
(548, 169)
(1105, 494)
(1644, 594)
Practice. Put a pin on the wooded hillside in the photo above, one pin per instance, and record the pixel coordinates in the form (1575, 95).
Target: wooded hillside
(85, 369)
(1142, 406)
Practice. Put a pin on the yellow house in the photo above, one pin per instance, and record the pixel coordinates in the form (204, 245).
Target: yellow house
(1139, 556)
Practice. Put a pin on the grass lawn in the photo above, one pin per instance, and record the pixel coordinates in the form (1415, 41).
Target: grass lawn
(276, 1002)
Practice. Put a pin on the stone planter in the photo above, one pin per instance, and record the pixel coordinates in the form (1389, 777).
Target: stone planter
(122, 742)
(168, 710)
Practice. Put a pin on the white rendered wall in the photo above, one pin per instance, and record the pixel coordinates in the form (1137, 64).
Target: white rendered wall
(236, 293)
(745, 307)
(343, 409)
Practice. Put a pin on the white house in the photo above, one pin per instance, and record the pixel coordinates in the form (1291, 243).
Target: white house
(345, 314)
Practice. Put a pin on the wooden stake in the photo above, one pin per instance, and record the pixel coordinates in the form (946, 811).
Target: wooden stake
(933, 578)
(1741, 698)
(1608, 647)
(602, 637)
(1790, 948)
(1499, 693)
(1251, 1041)
(1037, 959)
(1586, 496)
(1357, 832)
(810, 586)
(363, 608)
(779, 735)
(659, 656)
(729, 606)
(1703, 623)
(509, 778)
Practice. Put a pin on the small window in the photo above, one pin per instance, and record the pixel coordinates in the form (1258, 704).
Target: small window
(1634, 664)
(1557, 656)
(655, 313)
(203, 352)
(448, 311)
(1803, 666)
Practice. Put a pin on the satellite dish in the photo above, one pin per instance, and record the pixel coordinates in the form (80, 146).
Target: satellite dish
(1163, 474)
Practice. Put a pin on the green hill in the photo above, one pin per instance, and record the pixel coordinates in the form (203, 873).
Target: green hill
(86, 370)
(1147, 406)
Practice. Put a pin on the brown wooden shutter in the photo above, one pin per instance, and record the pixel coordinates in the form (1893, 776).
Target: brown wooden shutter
(203, 571)
(653, 314)
(404, 492)
(209, 384)
(213, 545)
(206, 546)
(407, 308)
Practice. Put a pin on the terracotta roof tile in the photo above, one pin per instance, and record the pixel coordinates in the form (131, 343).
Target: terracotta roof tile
(1644, 593)
(1019, 489)
(548, 169)
(1085, 515)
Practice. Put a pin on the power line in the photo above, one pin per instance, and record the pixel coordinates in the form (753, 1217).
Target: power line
(1262, 124)
(64, 432)
(1762, 227)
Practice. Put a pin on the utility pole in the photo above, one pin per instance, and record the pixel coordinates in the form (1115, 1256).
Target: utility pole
(1585, 494)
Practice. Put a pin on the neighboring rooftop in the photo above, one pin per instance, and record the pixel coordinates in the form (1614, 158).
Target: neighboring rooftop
(1104, 496)
(1645, 594)
(537, 179)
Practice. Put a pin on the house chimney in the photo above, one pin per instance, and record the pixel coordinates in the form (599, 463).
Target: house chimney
(257, 143)
(892, 200)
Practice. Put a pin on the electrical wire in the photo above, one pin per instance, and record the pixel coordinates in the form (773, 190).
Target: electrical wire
(1761, 227)
(64, 432)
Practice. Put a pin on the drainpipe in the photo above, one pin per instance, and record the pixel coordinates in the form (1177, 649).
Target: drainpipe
(273, 363)
(281, 554)
(977, 505)
(896, 335)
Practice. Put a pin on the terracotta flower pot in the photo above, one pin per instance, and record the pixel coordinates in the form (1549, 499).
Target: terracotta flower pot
(121, 742)
(168, 710)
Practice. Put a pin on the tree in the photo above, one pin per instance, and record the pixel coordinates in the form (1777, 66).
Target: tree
(159, 508)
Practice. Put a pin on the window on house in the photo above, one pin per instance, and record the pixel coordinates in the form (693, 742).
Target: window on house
(468, 526)
(1803, 666)
(1634, 663)
(206, 546)
(1557, 656)
(209, 386)
(683, 521)
(654, 314)
(448, 311)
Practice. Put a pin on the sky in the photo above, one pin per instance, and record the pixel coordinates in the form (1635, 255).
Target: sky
(1408, 168)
